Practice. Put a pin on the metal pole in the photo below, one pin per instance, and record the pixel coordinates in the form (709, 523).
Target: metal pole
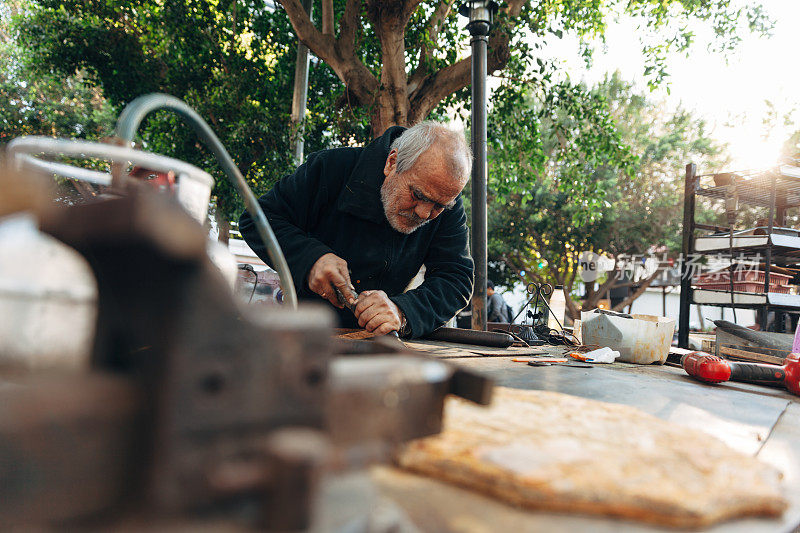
(768, 258)
(687, 250)
(300, 95)
(479, 32)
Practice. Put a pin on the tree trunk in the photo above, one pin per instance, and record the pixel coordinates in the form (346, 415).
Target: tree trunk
(389, 18)
(223, 226)
(597, 295)
(574, 312)
(391, 110)
(398, 97)
(593, 296)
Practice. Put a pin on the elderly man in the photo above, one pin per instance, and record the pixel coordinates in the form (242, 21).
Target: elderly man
(364, 220)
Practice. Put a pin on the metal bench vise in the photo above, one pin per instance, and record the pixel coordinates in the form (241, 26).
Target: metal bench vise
(194, 407)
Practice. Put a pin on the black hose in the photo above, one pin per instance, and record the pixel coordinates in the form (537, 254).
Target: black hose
(471, 336)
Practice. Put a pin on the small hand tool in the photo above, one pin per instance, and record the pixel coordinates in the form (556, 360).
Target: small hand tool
(713, 369)
(539, 359)
(343, 300)
(352, 306)
(563, 362)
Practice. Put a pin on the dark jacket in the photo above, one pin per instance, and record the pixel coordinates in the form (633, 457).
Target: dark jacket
(332, 204)
(497, 310)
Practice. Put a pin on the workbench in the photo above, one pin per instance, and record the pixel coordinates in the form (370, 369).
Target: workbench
(756, 420)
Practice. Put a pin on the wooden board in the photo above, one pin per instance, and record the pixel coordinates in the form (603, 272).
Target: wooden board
(558, 452)
(747, 355)
(452, 350)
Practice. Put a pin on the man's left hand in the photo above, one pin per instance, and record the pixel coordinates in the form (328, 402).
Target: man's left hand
(376, 312)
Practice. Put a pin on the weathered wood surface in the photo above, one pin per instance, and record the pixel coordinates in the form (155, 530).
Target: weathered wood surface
(558, 452)
(748, 418)
(450, 350)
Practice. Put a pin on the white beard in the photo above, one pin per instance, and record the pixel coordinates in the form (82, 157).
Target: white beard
(391, 198)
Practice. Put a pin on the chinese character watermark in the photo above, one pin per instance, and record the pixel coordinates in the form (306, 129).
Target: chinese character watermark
(697, 267)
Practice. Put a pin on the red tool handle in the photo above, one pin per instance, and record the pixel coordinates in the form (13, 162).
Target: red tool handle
(713, 369)
(706, 367)
(792, 369)
(760, 373)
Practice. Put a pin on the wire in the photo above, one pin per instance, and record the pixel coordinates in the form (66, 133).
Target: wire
(133, 115)
(248, 267)
(512, 334)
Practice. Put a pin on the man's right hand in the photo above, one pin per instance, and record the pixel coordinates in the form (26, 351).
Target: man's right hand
(330, 271)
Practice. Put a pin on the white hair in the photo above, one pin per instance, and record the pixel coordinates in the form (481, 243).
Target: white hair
(417, 139)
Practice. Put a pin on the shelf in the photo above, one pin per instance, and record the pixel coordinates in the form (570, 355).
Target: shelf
(784, 247)
(746, 299)
(756, 190)
(780, 247)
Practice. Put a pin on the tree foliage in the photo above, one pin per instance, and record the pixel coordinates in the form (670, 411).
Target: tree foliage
(791, 149)
(561, 140)
(42, 103)
(633, 155)
(382, 63)
(401, 58)
(232, 61)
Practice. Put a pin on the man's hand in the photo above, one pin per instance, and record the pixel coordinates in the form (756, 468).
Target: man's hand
(376, 312)
(331, 271)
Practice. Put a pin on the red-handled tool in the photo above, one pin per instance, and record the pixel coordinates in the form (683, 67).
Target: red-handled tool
(713, 369)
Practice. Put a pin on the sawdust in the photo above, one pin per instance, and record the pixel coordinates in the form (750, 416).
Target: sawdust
(355, 334)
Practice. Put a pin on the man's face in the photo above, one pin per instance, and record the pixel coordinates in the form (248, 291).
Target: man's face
(489, 291)
(420, 194)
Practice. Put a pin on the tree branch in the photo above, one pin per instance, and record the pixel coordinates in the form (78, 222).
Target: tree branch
(327, 17)
(432, 28)
(591, 302)
(350, 22)
(389, 18)
(360, 82)
(432, 88)
(434, 25)
(574, 312)
(515, 7)
(638, 292)
(321, 45)
(408, 9)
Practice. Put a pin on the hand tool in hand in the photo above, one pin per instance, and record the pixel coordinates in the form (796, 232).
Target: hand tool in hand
(352, 306)
(343, 300)
(713, 369)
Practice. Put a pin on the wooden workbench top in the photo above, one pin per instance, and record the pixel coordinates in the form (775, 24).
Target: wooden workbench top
(756, 420)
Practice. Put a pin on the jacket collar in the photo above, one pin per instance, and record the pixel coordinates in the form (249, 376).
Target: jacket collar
(361, 195)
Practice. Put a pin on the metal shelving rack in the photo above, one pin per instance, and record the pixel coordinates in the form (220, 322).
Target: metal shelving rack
(777, 190)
